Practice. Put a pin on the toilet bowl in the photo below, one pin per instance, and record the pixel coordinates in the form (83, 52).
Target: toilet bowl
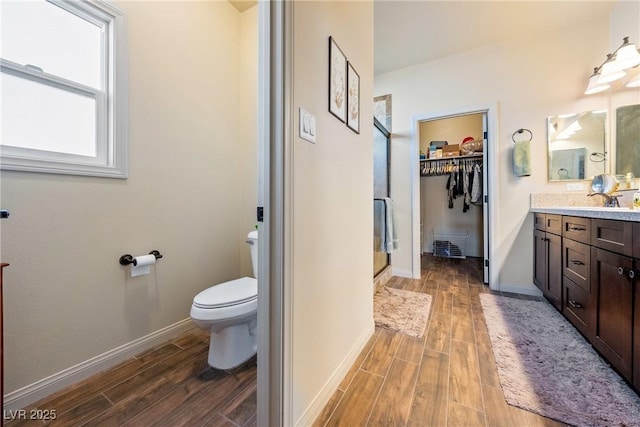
(229, 311)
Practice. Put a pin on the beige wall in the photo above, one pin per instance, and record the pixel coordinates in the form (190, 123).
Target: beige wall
(332, 205)
(529, 78)
(188, 195)
(434, 200)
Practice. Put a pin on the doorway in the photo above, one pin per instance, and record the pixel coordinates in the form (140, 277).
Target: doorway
(422, 231)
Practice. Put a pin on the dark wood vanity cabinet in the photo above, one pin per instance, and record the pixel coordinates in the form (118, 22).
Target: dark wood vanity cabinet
(547, 250)
(600, 283)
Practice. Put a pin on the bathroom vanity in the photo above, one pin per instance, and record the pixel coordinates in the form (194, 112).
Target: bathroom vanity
(587, 264)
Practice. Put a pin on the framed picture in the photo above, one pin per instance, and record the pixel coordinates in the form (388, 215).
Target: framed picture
(337, 81)
(353, 99)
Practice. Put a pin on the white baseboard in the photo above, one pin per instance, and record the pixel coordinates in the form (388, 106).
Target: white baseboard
(400, 272)
(524, 290)
(322, 398)
(27, 395)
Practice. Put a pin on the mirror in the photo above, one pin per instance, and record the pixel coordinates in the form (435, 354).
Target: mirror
(576, 145)
(627, 149)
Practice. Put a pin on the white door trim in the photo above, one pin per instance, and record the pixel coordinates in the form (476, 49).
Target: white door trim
(491, 168)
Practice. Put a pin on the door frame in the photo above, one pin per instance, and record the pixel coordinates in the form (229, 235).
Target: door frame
(274, 181)
(490, 184)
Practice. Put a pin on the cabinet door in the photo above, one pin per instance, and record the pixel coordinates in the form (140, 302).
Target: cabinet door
(614, 311)
(554, 270)
(540, 260)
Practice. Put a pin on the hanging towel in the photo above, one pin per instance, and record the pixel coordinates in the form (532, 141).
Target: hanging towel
(379, 224)
(391, 235)
(522, 158)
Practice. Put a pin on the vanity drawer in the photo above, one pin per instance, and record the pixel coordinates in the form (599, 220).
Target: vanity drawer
(612, 235)
(576, 263)
(548, 222)
(578, 308)
(554, 224)
(576, 228)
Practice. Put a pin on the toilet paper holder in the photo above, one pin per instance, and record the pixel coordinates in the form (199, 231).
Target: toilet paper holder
(127, 259)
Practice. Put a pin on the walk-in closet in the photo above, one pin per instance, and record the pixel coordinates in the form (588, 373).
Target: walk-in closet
(451, 186)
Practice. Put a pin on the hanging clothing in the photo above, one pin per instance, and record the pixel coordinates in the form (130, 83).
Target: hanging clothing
(476, 189)
(465, 188)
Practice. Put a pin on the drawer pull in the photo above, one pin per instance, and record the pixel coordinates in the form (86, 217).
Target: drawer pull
(574, 228)
(576, 262)
(574, 304)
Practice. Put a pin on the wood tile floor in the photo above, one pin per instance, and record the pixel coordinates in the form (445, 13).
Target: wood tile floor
(167, 386)
(448, 378)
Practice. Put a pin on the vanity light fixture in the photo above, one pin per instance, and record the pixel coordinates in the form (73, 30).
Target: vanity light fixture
(634, 83)
(613, 68)
(609, 72)
(594, 85)
(627, 56)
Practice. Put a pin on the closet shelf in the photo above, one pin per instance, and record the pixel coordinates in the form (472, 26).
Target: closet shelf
(470, 156)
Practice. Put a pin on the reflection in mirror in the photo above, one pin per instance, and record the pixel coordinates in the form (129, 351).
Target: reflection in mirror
(628, 140)
(576, 145)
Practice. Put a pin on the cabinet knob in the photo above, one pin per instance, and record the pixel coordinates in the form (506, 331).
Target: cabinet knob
(629, 272)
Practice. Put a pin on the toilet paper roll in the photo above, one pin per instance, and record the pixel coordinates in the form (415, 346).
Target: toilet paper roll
(143, 260)
(142, 265)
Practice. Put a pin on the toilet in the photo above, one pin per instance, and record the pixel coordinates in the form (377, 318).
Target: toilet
(229, 310)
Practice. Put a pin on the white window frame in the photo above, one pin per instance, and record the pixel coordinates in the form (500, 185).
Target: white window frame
(111, 102)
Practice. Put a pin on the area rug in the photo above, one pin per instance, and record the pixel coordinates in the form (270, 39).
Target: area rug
(403, 311)
(547, 367)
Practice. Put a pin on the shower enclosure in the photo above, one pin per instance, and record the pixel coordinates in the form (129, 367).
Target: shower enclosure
(381, 159)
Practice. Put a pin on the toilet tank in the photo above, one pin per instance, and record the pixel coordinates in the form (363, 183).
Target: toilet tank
(252, 241)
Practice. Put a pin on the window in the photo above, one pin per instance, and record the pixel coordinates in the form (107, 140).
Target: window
(63, 88)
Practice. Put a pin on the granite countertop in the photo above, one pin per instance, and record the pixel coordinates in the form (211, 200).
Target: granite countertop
(622, 214)
(582, 205)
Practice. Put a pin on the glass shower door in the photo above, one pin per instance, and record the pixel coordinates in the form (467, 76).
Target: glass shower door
(381, 159)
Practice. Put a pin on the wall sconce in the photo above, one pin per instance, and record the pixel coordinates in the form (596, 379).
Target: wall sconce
(613, 68)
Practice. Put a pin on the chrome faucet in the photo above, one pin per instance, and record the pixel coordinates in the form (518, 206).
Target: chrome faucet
(610, 201)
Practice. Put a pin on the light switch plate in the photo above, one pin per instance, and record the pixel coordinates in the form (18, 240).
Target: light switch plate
(307, 126)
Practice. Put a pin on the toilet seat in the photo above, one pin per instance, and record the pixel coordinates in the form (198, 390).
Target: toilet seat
(227, 294)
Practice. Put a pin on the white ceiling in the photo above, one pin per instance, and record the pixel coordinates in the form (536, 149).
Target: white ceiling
(410, 32)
